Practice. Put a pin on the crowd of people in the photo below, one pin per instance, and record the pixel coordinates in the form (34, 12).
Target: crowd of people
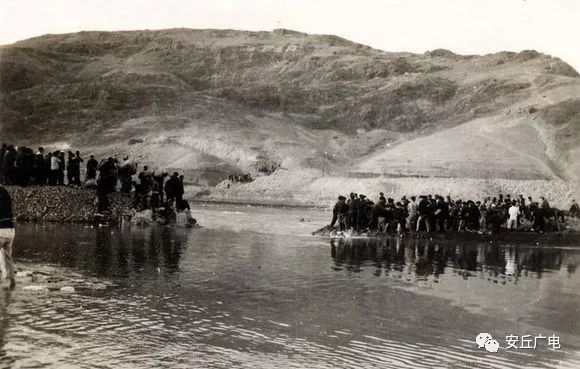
(243, 178)
(22, 166)
(438, 214)
(152, 190)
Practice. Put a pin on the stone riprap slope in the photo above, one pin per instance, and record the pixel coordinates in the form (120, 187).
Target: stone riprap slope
(217, 102)
(63, 204)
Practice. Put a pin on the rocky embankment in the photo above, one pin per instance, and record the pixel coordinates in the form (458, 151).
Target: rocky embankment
(63, 204)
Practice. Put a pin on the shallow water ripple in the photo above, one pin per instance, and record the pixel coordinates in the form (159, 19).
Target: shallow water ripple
(238, 298)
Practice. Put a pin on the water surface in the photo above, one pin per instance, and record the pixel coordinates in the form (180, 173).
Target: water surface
(254, 290)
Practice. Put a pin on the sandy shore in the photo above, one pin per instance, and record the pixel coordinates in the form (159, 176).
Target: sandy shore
(309, 188)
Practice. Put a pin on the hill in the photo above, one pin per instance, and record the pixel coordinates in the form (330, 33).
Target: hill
(220, 102)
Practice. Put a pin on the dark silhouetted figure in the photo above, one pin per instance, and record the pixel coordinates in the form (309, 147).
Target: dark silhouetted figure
(77, 160)
(538, 214)
(160, 179)
(353, 209)
(70, 173)
(155, 195)
(92, 165)
(106, 183)
(364, 212)
(180, 192)
(182, 205)
(127, 169)
(8, 165)
(61, 168)
(172, 187)
(3, 150)
(39, 168)
(379, 215)
(574, 210)
(54, 167)
(441, 214)
(339, 213)
(146, 181)
(424, 212)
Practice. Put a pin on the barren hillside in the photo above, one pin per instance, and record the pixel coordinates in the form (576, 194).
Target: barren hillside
(216, 102)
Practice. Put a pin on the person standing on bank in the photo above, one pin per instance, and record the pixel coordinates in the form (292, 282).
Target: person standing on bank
(77, 173)
(180, 192)
(40, 167)
(54, 167)
(70, 173)
(92, 165)
(6, 237)
(61, 168)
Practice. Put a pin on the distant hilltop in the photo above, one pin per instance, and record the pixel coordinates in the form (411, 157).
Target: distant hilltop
(220, 102)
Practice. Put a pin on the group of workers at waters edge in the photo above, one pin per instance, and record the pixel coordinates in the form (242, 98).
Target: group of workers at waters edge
(151, 191)
(438, 214)
(22, 166)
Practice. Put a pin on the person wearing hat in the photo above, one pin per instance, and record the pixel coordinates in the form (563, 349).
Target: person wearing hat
(363, 212)
(339, 213)
(6, 237)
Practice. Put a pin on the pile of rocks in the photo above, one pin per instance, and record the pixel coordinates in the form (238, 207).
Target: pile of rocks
(63, 204)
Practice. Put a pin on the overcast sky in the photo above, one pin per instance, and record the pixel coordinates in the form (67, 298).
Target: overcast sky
(463, 26)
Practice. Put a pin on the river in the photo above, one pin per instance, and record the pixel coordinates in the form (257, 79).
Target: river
(253, 289)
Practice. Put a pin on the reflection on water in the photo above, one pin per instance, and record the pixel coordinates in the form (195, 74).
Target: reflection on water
(536, 285)
(107, 252)
(424, 257)
(238, 298)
